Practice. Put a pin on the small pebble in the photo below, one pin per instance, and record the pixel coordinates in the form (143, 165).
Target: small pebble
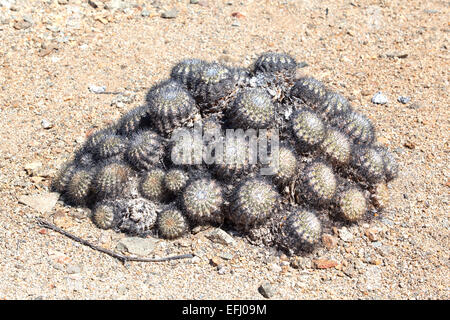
(220, 236)
(275, 267)
(46, 124)
(73, 268)
(386, 221)
(400, 55)
(170, 14)
(97, 89)
(284, 257)
(382, 250)
(40, 202)
(28, 18)
(20, 25)
(379, 98)
(8, 4)
(215, 261)
(226, 255)
(410, 145)
(324, 263)
(372, 234)
(376, 244)
(46, 50)
(329, 241)
(32, 168)
(403, 99)
(399, 150)
(221, 270)
(94, 3)
(196, 260)
(266, 290)
(145, 13)
(137, 245)
(345, 235)
(300, 263)
(123, 98)
(200, 228)
(414, 106)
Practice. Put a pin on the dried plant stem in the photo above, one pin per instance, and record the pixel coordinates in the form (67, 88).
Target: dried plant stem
(121, 257)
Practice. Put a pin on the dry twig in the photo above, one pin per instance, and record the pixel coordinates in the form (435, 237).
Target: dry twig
(121, 257)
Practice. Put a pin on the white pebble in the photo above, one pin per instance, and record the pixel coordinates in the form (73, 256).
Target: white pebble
(97, 89)
(379, 98)
(46, 124)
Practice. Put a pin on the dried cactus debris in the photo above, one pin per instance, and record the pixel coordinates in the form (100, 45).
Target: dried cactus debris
(138, 176)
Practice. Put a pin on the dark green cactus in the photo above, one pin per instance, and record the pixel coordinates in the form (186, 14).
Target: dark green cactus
(308, 129)
(357, 126)
(301, 231)
(253, 108)
(111, 180)
(317, 184)
(275, 62)
(175, 180)
(145, 150)
(160, 169)
(79, 187)
(203, 200)
(152, 185)
(172, 224)
(170, 106)
(254, 201)
(309, 91)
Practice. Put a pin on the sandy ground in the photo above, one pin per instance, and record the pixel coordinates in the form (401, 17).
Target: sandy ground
(52, 51)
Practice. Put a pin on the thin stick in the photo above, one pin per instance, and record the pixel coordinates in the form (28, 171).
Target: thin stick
(109, 92)
(113, 254)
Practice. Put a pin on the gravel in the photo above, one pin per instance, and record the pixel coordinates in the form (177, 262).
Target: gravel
(114, 47)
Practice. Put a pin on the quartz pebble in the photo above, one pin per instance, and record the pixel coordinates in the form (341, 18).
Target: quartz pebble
(379, 98)
(96, 89)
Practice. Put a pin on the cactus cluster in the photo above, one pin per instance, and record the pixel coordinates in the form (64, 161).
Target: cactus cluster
(138, 178)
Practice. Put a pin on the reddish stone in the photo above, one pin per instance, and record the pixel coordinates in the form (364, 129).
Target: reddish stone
(237, 15)
(324, 263)
(329, 241)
